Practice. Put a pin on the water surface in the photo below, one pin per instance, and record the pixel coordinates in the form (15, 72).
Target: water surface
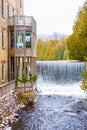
(59, 102)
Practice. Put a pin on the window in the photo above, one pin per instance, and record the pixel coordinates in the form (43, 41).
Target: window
(8, 10)
(12, 39)
(34, 40)
(2, 39)
(20, 39)
(13, 12)
(20, 3)
(2, 8)
(28, 39)
(2, 71)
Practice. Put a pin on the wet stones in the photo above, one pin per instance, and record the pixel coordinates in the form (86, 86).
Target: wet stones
(8, 109)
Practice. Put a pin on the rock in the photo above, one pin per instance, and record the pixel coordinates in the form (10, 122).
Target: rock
(8, 109)
(2, 125)
(21, 105)
(8, 128)
(16, 115)
(76, 106)
(49, 95)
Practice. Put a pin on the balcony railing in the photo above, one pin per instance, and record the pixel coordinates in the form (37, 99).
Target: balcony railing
(22, 52)
(22, 20)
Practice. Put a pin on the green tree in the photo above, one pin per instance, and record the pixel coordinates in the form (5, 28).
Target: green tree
(77, 42)
(84, 75)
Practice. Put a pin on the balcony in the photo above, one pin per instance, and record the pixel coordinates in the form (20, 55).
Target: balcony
(22, 21)
(22, 36)
(22, 52)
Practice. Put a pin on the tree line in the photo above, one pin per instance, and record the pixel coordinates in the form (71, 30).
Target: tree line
(50, 50)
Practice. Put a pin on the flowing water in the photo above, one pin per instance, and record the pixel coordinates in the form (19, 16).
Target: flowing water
(60, 77)
(58, 103)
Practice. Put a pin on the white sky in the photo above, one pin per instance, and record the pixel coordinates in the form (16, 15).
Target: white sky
(53, 15)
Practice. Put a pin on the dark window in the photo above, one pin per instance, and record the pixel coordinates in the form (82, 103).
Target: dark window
(13, 12)
(2, 39)
(2, 8)
(8, 10)
(20, 3)
(28, 39)
(2, 71)
(12, 68)
(12, 39)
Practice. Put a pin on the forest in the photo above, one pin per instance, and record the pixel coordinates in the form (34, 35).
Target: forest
(73, 47)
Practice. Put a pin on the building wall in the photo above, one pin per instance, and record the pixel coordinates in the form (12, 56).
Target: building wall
(10, 8)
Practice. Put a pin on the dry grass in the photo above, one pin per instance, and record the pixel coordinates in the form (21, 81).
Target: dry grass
(27, 97)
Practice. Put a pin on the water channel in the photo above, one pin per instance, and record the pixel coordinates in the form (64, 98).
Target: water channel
(59, 102)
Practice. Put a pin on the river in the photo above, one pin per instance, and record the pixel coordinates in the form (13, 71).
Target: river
(60, 103)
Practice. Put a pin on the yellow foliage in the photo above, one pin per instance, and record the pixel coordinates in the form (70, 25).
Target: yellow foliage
(50, 50)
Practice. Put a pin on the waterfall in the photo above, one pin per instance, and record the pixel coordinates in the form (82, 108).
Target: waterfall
(59, 72)
(59, 76)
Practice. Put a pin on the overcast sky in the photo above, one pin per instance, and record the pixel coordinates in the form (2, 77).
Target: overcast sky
(53, 15)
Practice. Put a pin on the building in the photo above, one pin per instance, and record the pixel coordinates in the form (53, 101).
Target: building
(17, 41)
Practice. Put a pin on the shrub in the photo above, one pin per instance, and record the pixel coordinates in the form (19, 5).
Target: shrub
(25, 79)
(84, 75)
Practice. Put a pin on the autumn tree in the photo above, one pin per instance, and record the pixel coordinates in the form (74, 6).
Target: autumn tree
(77, 42)
(50, 50)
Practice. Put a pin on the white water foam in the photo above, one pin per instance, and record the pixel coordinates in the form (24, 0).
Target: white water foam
(54, 89)
(60, 78)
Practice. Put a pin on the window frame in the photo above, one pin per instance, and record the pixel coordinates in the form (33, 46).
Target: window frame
(2, 8)
(2, 39)
(28, 43)
(8, 10)
(3, 72)
(13, 12)
(20, 3)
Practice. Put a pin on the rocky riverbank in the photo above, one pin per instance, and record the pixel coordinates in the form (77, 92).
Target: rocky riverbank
(10, 104)
(8, 109)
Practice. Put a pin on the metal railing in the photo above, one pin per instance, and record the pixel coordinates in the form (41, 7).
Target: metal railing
(7, 88)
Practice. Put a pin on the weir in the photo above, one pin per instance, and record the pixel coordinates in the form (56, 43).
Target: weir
(59, 72)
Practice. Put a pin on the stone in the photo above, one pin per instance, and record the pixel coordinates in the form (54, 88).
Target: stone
(8, 109)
